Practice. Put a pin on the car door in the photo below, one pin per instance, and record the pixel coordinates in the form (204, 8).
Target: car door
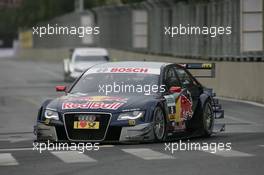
(190, 84)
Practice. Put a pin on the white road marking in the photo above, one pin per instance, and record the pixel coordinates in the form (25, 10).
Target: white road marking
(16, 149)
(228, 153)
(147, 154)
(15, 140)
(73, 157)
(261, 145)
(31, 149)
(6, 159)
(247, 126)
(240, 120)
(5, 53)
(106, 146)
(241, 101)
(244, 128)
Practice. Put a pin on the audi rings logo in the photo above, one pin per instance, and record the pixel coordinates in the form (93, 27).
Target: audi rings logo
(89, 118)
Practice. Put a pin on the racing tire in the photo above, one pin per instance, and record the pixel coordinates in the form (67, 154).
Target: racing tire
(207, 119)
(159, 125)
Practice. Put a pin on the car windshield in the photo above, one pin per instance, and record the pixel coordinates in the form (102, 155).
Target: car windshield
(79, 58)
(109, 83)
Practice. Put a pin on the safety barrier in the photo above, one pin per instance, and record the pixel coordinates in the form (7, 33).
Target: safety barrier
(143, 27)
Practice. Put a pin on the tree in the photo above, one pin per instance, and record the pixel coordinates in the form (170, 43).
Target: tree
(32, 12)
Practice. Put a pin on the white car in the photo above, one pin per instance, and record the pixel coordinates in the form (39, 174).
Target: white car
(82, 59)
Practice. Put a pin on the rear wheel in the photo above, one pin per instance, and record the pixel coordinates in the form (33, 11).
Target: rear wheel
(207, 119)
(159, 124)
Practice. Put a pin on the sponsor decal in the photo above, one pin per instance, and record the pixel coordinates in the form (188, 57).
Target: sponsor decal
(179, 109)
(128, 70)
(94, 102)
(197, 66)
(47, 121)
(186, 107)
(86, 125)
(131, 122)
(86, 122)
(142, 70)
(92, 105)
(183, 65)
(99, 99)
(207, 66)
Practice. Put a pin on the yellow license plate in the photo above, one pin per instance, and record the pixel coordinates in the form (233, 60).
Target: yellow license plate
(85, 125)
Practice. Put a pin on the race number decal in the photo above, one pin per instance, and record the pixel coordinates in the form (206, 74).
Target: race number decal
(170, 100)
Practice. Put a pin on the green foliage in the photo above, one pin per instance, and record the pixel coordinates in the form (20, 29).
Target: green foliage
(33, 11)
(8, 25)
(30, 13)
(131, 1)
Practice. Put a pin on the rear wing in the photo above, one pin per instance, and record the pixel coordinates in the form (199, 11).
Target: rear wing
(200, 70)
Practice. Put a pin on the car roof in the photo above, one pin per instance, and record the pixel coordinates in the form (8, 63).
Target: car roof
(129, 64)
(93, 51)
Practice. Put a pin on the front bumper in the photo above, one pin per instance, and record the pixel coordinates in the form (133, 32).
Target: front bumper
(137, 133)
(45, 132)
(141, 132)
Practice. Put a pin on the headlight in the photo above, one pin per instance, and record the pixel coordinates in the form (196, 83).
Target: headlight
(130, 115)
(49, 114)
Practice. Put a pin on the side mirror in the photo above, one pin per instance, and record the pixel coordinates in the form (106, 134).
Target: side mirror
(175, 89)
(60, 88)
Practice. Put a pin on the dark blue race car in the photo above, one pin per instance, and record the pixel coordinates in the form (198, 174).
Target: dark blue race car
(132, 102)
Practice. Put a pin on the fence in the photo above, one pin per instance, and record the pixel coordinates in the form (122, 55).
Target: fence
(140, 27)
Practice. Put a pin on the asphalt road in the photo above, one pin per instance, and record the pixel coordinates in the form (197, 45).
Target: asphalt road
(25, 84)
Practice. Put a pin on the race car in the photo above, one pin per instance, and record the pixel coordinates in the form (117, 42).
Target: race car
(82, 59)
(132, 102)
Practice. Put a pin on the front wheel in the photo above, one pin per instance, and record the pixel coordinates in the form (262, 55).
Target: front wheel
(159, 124)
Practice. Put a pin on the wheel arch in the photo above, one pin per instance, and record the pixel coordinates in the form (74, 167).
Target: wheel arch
(41, 109)
(204, 97)
(153, 106)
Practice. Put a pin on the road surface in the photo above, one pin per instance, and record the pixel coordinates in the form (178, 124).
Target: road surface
(25, 84)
